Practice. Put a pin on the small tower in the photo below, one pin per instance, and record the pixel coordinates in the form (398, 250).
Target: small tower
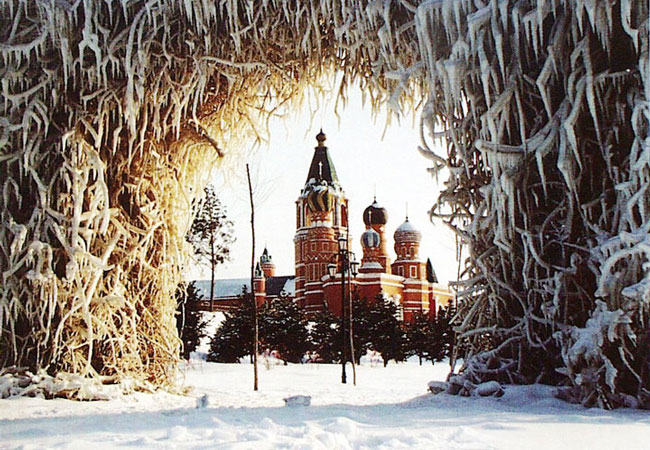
(321, 216)
(371, 244)
(267, 264)
(407, 247)
(375, 218)
(417, 289)
(259, 286)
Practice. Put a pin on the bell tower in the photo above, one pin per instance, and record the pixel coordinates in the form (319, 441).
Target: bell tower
(321, 216)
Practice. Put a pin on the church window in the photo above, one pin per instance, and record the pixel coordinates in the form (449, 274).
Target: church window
(326, 246)
(313, 246)
(298, 216)
(336, 213)
(400, 271)
(412, 251)
(344, 216)
(413, 271)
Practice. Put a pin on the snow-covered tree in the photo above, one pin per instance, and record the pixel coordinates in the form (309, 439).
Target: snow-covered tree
(234, 338)
(417, 335)
(283, 327)
(325, 337)
(439, 336)
(430, 337)
(385, 331)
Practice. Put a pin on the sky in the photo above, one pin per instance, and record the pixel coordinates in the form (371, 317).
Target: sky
(368, 156)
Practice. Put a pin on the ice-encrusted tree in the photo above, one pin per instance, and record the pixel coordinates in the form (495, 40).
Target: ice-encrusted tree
(109, 111)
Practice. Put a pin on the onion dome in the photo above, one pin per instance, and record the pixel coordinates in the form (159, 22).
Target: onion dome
(370, 239)
(320, 197)
(407, 232)
(320, 138)
(375, 214)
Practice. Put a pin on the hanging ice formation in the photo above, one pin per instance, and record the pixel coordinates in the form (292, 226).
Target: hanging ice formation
(109, 109)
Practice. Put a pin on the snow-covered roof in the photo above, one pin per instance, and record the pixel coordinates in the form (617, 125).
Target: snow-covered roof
(407, 232)
(231, 287)
(290, 287)
(407, 227)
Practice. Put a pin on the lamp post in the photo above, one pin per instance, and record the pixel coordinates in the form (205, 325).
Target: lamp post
(347, 264)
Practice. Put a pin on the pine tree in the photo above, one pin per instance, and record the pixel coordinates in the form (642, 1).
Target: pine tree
(417, 335)
(284, 328)
(361, 326)
(234, 338)
(211, 233)
(386, 333)
(440, 336)
(190, 321)
(325, 337)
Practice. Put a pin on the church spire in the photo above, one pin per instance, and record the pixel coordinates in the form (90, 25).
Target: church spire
(322, 167)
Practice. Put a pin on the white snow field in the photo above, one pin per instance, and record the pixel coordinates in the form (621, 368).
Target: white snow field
(389, 408)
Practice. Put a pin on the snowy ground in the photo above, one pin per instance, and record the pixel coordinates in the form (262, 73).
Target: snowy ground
(389, 408)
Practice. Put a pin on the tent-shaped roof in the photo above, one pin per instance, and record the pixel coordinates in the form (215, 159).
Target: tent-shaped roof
(322, 167)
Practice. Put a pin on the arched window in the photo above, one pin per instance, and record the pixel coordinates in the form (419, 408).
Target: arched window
(344, 216)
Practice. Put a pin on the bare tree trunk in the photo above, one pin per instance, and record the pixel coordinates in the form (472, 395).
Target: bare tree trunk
(255, 318)
(212, 265)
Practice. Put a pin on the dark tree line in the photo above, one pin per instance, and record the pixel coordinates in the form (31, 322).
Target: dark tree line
(376, 327)
(282, 327)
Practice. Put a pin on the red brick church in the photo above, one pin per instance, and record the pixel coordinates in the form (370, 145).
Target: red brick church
(321, 220)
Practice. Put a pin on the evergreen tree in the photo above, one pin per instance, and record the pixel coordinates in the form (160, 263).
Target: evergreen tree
(190, 322)
(361, 326)
(284, 328)
(234, 337)
(440, 336)
(325, 337)
(417, 335)
(385, 331)
(210, 233)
